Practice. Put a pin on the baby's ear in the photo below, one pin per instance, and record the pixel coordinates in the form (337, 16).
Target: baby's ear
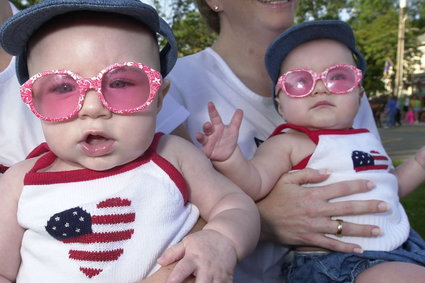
(361, 93)
(361, 89)
(162, 92)
(279, 106)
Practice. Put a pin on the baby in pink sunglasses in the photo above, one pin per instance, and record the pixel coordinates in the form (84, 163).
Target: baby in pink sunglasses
(106, 199)
(317, 71)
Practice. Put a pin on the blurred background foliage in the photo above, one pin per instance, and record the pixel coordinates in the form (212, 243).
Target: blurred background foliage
(375, 23)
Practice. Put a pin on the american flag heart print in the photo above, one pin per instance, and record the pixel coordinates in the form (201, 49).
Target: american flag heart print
(363, 161)
(95, 239)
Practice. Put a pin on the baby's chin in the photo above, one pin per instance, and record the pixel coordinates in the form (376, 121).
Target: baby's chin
(104, 163)
(324, 124)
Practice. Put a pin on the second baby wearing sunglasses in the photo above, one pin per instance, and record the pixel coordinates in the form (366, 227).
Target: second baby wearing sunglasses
(317, 71)
(107, 199)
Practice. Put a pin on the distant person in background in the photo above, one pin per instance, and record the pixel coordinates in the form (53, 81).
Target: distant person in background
(398, 114)
(391, 111)
(410, 116)
(416, 104)
(405, 103)
(384, 116)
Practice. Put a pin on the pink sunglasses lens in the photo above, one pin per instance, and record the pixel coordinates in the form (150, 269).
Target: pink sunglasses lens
(55, 96)
(126, 88)
(298, 83)
(340, 79)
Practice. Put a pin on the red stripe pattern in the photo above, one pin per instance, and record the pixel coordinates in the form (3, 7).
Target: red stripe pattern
(90, 234)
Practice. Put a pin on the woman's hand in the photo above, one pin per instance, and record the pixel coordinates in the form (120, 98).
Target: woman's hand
(294, 215)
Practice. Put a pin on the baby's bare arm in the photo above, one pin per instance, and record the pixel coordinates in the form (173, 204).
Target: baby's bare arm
(232, 228)
(11, 184)
(258, 175)
(411, 173)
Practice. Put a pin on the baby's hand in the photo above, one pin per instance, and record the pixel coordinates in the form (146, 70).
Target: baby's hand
(219, 141)
(207, 254)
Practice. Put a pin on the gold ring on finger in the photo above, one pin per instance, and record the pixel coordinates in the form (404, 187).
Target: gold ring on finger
(339, 227)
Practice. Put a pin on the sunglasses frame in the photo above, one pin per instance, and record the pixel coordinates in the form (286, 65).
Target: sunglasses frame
(319, 76)
(95, 83)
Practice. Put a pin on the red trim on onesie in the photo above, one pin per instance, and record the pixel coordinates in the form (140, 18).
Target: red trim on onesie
(169, 168)
(314, 136)
(33, 177)
(3, 168)
(303, 163)
(39, 150)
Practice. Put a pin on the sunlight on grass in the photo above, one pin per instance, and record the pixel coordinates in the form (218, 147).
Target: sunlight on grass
(414, 204)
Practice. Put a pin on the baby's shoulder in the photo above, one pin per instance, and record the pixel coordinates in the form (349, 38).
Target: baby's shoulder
(294, 144)
(11, 182)
(289, 139)
(171, 143)
(177, 150)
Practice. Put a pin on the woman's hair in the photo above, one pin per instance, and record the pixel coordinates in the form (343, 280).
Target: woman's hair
(209, 15)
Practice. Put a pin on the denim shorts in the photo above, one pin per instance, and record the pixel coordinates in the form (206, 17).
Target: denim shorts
(345, 267)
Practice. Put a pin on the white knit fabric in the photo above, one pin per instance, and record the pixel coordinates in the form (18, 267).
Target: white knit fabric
(354, 155)
(148, 207)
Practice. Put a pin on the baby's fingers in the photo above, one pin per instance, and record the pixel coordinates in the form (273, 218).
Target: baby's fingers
(172, 254)
(208, 128)
(236, 121)
(213, 113)
(201, 138)
(183, 269)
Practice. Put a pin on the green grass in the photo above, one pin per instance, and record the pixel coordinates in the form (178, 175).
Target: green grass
(414, 204)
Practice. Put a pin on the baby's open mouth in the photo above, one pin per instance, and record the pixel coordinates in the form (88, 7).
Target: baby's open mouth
(97, 144)
(95, 139)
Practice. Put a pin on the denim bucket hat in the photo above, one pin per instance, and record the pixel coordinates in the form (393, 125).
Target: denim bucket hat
(17, 30)
(304, 32)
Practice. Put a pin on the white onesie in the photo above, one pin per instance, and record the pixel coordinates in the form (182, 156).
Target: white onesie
(101, 226)
(354, 154)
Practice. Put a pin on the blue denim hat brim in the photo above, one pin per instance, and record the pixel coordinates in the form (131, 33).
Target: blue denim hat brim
(304, 32)
(17, 30)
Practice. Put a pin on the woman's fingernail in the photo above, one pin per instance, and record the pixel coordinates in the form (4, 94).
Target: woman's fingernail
(324, 172)
(383, 206)
(377, 232)
(358, 250)
(370, 185)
